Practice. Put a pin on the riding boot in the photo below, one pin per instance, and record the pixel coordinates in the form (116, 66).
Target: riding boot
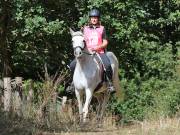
(70, 85)
(70, 89)
(111, 88)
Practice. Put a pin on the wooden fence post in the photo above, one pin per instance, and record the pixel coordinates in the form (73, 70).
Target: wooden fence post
(30, 92)
(18, 96)
(7, 93)
(64, 102)
(30, 97)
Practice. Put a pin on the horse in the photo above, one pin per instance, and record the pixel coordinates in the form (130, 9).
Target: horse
(88, 75)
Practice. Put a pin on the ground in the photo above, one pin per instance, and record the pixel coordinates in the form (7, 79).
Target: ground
(163, 126)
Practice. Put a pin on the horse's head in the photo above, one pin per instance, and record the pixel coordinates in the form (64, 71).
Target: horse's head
(78, 43)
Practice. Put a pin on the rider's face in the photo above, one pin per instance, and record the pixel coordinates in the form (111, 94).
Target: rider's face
(94, 20)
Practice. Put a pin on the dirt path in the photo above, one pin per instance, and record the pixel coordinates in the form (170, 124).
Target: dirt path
(163, 126)
(159, 127)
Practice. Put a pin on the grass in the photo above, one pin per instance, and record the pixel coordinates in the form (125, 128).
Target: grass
(66, 123)
(12, 125)
(164, 126)
(47, 117)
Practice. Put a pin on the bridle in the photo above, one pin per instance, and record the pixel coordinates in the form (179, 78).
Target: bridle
(82, 48)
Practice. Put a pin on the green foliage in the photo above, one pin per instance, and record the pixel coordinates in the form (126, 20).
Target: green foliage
(37, 38)
(165, 100)
(144, 35)
(60, 89)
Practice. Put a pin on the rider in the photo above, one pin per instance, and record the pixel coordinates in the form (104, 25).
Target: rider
(96, 40)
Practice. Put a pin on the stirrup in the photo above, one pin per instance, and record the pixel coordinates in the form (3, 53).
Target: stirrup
(111, 88)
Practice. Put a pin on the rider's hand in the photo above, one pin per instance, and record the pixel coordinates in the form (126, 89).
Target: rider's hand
(96, 48)
(93, 51)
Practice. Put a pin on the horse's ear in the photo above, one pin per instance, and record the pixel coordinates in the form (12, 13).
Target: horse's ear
(71, 31)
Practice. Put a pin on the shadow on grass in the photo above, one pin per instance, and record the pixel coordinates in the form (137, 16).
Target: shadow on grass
(13, 125)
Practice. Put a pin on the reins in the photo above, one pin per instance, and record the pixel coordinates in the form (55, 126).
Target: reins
(88, 53)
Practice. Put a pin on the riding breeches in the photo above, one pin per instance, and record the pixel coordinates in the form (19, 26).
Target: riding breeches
(107, 65)
(72, 66)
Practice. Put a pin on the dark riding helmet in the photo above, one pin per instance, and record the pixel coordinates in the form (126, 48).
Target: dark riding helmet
(94, 13)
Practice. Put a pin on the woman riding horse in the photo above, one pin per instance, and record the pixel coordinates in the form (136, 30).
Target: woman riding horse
(96, 40)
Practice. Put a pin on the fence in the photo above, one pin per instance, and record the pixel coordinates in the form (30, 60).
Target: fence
(13, 98)
(11, 94)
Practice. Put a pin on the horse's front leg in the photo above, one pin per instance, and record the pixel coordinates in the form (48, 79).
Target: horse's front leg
(87, 103)
(79, 96)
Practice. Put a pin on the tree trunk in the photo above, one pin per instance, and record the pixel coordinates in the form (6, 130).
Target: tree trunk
(1, 92)
(4, 49)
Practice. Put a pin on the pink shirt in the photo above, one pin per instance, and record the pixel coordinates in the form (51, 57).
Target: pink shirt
(93, 37)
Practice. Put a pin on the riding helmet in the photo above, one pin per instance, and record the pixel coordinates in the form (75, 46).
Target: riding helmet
(94, 13)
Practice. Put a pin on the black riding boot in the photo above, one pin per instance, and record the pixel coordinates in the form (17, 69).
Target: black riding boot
(108, 71)
(70, 88)
(70, 85)
(111, 88)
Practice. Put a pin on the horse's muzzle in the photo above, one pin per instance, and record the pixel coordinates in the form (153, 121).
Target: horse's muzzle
(78, 52)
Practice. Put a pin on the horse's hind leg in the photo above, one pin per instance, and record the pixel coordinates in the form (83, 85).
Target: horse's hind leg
(104, 104)
(99, 106)
(79, 95)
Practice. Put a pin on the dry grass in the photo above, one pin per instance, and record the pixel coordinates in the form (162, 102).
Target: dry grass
(65, 122)
(58, 120)
(163, 126)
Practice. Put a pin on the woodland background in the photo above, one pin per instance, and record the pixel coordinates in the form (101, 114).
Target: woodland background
(143, 34)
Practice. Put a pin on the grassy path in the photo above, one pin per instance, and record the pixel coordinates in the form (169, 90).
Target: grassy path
(158, 127)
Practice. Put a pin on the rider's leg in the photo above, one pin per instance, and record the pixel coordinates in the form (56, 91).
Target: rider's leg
(108, 70)
(72, 66)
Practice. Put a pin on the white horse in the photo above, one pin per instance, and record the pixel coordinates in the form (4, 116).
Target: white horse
(87, 76)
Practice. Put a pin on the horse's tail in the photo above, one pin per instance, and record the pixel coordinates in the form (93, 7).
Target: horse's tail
(119, 92)
(116, 82)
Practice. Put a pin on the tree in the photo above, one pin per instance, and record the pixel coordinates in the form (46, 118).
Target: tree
(5, 21)
(143, 34)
